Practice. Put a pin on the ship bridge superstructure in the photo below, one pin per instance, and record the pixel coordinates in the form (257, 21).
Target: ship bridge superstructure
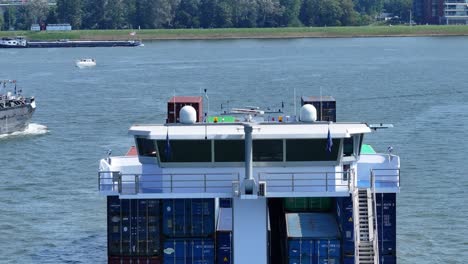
(255, 162)
(208, 160)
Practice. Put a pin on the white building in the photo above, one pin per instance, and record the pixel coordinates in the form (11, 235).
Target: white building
(455, 12)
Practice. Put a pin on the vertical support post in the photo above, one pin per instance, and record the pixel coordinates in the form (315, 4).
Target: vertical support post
(250, 230)
(120, 182)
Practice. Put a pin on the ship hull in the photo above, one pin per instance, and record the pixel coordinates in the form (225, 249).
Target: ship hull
(15, 119)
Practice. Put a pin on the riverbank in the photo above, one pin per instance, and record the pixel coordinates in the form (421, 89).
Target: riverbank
(242, 33)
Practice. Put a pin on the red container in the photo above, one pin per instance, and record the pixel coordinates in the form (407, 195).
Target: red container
(177, 102)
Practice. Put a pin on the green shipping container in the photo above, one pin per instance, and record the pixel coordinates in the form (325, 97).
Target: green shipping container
(307, 204)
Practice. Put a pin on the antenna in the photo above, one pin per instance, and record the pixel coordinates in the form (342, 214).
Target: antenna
(207, 100)
(294, 100)
(321, 103)
(175, 107)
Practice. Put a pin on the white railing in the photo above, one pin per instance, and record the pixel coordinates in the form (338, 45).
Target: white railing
(383, 178)
(117, 182)
(114, 181)
(306, 181)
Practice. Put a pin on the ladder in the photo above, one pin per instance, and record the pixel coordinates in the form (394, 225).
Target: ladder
(365, 224)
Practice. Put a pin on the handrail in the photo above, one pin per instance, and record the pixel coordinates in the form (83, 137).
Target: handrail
(357, 233)
(134, 183)
(385, 177)
(131, 183)
(296, 180)
(374, 220)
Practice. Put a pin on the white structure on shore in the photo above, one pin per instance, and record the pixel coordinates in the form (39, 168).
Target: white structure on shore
(455, 12)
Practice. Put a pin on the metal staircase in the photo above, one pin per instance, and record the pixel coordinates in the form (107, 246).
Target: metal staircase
(365, 226)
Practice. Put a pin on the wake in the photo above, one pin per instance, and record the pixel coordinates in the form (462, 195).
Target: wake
(32, 130)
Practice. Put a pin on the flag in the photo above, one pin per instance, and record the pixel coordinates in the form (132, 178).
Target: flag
(167, 149)
(329, 141)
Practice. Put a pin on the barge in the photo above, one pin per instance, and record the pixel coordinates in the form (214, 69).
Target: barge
(21, 42)
(251, 187)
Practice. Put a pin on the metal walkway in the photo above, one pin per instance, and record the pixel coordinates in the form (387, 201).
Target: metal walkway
(365, 226)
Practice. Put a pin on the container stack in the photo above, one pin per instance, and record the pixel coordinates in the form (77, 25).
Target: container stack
(386, 227)
(188, 230)
(312, 238)
(344, 215)
(133, 231)
(224, 236)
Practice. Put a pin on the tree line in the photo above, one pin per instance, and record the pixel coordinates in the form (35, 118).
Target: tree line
(149, 14)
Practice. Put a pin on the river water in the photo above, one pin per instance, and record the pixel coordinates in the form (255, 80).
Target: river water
(50, 211)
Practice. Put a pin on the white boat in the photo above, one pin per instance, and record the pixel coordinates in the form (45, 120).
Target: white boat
(85, 63)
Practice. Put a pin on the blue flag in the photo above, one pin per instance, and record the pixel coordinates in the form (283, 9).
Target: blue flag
(329, 141)
(167, 150)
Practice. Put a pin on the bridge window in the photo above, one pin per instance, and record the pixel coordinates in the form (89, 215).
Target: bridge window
(348, 147)
(185, 150)
(268, 150)
(311, 150)
(229, 150)
(146, 147)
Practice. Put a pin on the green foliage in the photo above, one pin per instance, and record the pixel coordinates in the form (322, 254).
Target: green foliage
(156, 14)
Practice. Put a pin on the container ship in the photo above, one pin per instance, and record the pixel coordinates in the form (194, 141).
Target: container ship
(16, 110)
(251, 186)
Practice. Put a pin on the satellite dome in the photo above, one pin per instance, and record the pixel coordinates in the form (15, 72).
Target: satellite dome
(188, 115)
(308, 113)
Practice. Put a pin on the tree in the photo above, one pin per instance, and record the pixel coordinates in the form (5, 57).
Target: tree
(115, 15)
(94, 14)
(290, 15)
(187, 14)
(223, 14)
(245, 13)
(399, 8)
(207, 13)
(70, 11)
(269, 12)
(1, 20)
(52, 16)
(369, 7)
(23, 18)
(350, 16)
(38, 10)
(9, 18)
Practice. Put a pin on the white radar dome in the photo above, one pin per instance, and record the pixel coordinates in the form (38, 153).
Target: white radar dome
(188, 115)
(308, 113)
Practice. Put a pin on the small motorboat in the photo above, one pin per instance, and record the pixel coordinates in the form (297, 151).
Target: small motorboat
(85, 63)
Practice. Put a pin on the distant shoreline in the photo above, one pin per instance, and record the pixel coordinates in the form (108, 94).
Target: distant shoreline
(246, 33)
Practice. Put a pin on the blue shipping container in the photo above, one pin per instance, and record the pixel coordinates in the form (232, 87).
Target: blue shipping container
(188, 217)
(130, 232)
(187, 261)
(224, 236)
(190, 250)
(298, 247)
(328, 248)
(386, 222)
(311, 225)
(344, 214)
(313, 260)
(385, 259)
(225, 202)
(313, 238)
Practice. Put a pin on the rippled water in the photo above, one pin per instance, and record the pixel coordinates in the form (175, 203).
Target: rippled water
(50, 211)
